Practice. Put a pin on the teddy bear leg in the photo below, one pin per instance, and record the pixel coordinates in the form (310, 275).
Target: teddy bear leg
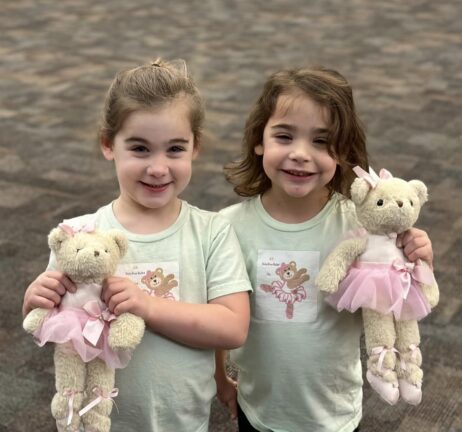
(380, 340)
(70, 374)
(100, 384)
(126, 332)
(410, 374)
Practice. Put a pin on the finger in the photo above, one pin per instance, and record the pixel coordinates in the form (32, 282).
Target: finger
(232, 406)
(111, 288)
(118, 303)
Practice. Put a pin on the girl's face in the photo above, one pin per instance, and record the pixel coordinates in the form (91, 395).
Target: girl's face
(153, 152)
(294, 148)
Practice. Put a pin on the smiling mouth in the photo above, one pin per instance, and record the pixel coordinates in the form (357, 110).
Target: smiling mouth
(298, 173)
(155, 187)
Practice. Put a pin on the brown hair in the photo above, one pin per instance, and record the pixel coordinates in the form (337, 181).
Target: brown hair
(149, 87)
(346, 138)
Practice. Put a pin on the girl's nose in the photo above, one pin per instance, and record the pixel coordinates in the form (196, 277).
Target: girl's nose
(157, 168)
(300, 153)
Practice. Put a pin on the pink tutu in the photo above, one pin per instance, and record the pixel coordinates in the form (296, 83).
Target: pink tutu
(383, 288)
(67, 325)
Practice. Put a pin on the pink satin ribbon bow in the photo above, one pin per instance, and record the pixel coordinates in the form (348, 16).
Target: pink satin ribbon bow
(371, 177)
(95, 324)
(381, 351)
(88, 228)
(70, 393)
(100, 397)
(409, 271)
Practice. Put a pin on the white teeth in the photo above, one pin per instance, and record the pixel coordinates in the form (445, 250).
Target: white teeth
(298, 173)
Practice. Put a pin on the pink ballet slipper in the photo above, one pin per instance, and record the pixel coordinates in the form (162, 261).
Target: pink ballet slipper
(410, 393)
(388, 391)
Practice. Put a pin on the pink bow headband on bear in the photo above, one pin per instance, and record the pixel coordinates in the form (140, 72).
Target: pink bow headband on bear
(371, 177)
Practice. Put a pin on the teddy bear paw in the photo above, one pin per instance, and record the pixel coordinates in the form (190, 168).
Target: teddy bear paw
(34, 319)
(126, 332)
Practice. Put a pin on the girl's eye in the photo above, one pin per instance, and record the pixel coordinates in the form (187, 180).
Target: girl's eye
(283, 137)
(380, 202)
(320, 141)
(139, 149)
(176, 149)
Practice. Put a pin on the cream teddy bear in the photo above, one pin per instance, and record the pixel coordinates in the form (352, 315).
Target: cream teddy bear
(90, 341)
(368, 271)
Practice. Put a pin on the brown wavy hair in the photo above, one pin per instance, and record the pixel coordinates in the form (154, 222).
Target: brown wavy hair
(147, 87)
(346, 136)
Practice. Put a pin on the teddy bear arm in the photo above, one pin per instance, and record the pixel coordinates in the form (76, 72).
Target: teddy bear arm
(431, 293)
(337, 263)
(126, 331)
(34, 319)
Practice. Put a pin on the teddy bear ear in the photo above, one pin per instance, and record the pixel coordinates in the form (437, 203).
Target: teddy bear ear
(359, 190)
(420, 189)
(56, 238)
(120, 240)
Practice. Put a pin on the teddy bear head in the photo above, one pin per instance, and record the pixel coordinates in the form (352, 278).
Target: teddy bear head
(87, 256)
(386, 204)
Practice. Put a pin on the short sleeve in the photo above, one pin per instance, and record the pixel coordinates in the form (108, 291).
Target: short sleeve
(225, 267)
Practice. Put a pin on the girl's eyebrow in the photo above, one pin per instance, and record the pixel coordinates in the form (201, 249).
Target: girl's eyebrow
(135, 139)
(292, 128)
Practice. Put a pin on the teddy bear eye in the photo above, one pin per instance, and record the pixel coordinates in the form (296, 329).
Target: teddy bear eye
(410, 201)
(380, 202)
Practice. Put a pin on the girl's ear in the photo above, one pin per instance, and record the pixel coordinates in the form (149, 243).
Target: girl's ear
(258, 149)
(106, 148)
(359, 190)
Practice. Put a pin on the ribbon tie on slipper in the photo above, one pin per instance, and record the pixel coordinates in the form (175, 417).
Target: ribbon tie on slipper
(98, 319)
(100, 397)
(381, 351)
(70, 393)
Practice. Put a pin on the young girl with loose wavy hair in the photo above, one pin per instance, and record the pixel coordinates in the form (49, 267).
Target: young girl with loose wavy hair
(300, 367)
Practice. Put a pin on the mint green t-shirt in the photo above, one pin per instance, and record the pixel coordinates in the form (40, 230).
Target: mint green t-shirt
(300, 368)
(168, 386)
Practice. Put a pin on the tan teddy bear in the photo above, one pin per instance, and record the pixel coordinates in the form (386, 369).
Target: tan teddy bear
(368, 271)
(90, 341)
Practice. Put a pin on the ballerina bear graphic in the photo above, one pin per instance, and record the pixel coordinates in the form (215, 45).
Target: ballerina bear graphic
(158, 284)
(288, 288)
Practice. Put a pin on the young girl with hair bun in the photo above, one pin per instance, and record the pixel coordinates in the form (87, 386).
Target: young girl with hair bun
(151, 132)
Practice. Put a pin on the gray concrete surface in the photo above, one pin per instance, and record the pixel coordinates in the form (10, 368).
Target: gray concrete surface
(403, 58)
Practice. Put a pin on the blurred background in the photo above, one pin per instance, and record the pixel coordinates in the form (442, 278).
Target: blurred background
(403, 59)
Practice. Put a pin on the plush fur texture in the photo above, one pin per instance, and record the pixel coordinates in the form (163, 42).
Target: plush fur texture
(391, 205)
(86, 257)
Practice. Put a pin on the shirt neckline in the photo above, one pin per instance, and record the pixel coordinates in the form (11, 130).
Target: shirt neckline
(282, 226)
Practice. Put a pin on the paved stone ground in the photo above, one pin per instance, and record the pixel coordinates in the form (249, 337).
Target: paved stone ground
(57, 58)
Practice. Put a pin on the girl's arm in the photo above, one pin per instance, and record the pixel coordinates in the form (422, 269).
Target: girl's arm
(221, 324)
(46, 291)
(226, 386)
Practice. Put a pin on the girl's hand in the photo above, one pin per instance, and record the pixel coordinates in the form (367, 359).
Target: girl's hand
(46, 291)
(416, 245)
(227, 395)
(122, 295)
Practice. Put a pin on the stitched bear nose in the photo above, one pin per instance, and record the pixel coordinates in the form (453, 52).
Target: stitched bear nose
(400, 203)
(96, 253)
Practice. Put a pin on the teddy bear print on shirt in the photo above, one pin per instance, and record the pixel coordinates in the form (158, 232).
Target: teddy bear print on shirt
(288, 288)
(159, 284)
